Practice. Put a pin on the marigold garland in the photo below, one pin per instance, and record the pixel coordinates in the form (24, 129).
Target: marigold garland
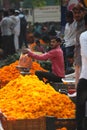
(28, 97)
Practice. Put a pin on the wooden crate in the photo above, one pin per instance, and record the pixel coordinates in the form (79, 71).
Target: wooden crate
(43, 123)
(25, 124)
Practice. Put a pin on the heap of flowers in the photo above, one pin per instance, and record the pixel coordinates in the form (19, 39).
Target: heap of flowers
(27, 97)
(10, 72)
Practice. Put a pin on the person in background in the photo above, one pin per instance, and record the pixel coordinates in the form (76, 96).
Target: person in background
(78, 13)
(37, 28)
(55, 55)
(69, 38)
(52, 31)
(45, 34)
(81, 106)
(23, 31)
(39, 47)
(7, 26)
(16, 29)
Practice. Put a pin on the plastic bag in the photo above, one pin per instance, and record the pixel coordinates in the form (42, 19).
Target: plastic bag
(25, 61)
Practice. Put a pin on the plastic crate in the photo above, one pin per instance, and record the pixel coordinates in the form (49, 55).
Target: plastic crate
(43, 123)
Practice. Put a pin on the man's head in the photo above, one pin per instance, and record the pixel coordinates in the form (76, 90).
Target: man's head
(78, 12)
(54, 42)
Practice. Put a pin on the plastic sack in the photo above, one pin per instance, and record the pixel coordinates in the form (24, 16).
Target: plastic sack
(25, 61)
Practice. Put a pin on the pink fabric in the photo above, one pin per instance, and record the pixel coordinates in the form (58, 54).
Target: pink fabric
(56, 58)
(72, 3)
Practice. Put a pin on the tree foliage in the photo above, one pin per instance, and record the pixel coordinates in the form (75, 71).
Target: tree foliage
(57, 2)
(34, 3)
(14, 1)
(38, 3)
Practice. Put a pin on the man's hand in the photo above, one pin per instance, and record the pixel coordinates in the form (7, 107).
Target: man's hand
(25, 50)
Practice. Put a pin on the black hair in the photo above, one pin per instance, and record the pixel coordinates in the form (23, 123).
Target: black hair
(58, 39)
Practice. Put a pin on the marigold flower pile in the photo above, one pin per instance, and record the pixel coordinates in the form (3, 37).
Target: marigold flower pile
(8, 73)
(27, 97)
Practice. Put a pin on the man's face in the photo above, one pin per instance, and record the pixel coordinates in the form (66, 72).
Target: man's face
(78, 15)
(53, 43)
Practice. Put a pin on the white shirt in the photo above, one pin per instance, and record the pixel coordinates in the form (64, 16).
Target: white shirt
(17, 27)
(70, 34)
(14, 21)
(83, 44)
(6, 26)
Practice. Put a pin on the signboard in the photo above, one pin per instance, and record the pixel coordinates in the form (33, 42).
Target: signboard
(48, 13)
(45, 14)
